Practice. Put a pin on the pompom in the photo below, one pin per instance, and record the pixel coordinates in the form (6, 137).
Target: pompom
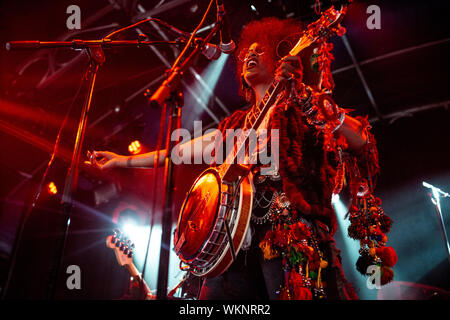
(281, 238)
(387, 255)
(363, 262)
(386, 223)
(387, 275)
(297, 290)
(268, 251)
(299, 231)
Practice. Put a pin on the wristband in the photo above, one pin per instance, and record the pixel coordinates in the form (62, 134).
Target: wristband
(341, 120)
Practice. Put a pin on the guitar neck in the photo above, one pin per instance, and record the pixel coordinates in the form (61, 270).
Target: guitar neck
(134, 273)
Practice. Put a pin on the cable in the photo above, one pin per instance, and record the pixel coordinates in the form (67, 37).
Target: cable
(162, 23)
(154, 180)
(177, 61)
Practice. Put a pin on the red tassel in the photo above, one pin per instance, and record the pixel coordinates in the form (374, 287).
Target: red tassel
(298, 292)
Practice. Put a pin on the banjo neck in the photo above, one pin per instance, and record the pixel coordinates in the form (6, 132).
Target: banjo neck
(232, 167)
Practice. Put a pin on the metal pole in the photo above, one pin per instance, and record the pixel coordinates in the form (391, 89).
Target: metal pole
(71, 183)
(166, 221)
(435, 196)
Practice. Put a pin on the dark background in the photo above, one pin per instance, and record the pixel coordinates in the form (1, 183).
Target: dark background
(404, 65)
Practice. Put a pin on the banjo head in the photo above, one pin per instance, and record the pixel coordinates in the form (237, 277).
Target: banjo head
(198, 215)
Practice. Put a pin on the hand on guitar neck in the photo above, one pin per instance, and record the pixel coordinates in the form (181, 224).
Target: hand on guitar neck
(123, 250)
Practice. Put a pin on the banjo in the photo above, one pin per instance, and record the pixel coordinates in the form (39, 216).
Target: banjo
(216, 212)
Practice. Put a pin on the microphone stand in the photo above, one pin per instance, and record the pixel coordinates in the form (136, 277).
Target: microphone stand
(97, 58)
(170, 95)
(435, 196)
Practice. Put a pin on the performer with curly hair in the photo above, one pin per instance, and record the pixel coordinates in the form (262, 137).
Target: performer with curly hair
(289, 252)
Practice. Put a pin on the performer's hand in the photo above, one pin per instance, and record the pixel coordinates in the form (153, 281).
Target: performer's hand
(289, 68)
(105, 160)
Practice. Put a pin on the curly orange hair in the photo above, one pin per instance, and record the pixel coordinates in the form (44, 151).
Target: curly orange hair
(269, 33)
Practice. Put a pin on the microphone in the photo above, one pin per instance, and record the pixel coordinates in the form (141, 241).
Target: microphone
(227, 44)
(211, 51)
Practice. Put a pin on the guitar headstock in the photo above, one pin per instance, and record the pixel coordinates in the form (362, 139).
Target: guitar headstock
(122, 246)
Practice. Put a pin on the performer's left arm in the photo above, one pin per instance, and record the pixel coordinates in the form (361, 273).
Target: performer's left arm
(353, 132)
(351, 129)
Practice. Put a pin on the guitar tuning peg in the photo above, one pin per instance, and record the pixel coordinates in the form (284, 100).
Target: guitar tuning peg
(130, 251)
(117, 233)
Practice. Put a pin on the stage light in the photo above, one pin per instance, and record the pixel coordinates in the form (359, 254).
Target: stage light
(133, 230)
(335, 198)
(341, 210)
(350, 247)
(137, 234)
(51, 188)
(135, 147)
(203, 88)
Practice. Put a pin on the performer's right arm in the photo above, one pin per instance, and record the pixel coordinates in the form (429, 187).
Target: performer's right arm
(108, 160)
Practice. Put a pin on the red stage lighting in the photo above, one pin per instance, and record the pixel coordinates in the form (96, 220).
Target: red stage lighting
(51, 188)
(135, 147)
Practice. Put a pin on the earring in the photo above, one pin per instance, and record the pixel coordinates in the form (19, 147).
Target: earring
(244, 83)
